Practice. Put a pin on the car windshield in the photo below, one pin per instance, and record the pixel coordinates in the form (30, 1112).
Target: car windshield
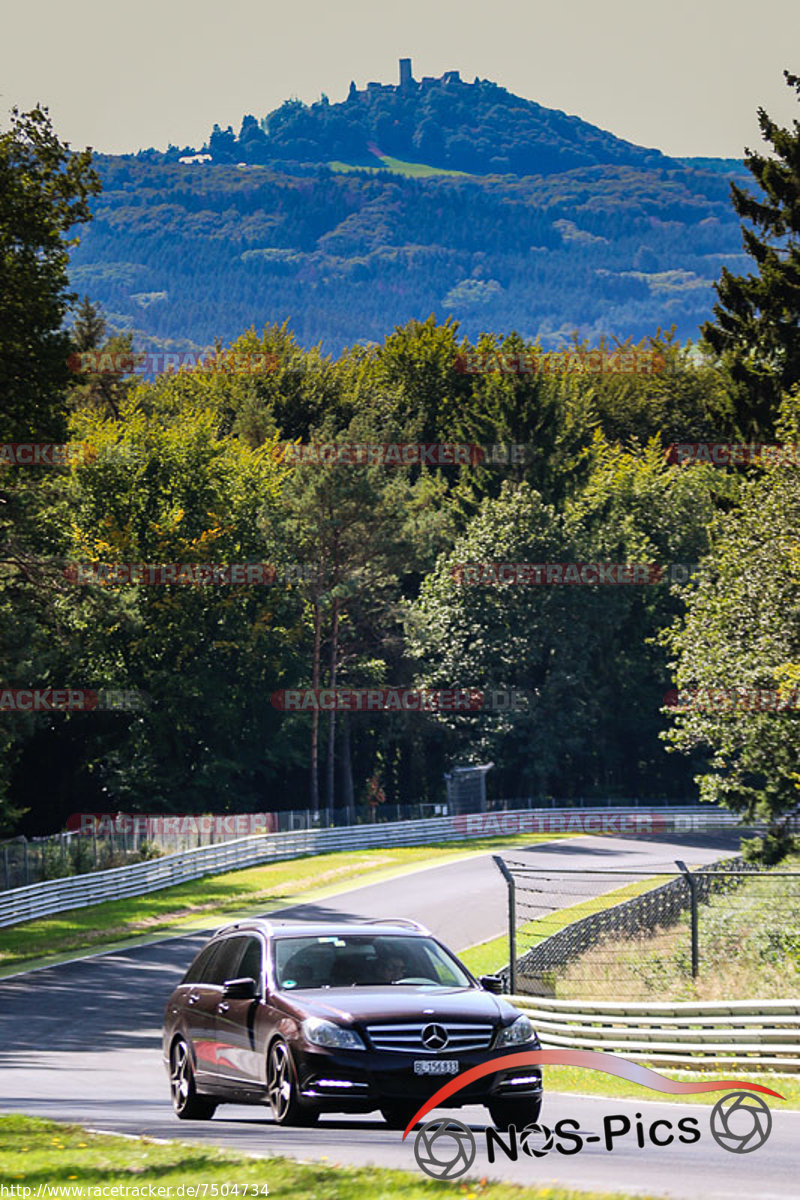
(360, 960)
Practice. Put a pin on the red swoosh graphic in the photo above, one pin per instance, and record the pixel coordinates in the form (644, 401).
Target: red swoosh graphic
(595, 1060)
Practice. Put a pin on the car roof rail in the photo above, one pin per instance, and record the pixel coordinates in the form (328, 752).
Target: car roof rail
(406, 921)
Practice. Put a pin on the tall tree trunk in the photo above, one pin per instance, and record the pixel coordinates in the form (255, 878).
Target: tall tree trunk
(314, 795)
(348, 791)
(331, 797)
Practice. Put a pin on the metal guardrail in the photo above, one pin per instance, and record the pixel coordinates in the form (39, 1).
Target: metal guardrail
(78, 891)
(690, 1034)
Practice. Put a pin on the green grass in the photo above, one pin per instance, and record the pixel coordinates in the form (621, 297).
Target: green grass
(204, 903)
(34, 1152)
(487, 957)
(595, 1083)
(398, 166)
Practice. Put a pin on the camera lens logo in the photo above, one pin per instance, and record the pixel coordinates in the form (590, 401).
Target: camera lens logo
(444, 1148)
(536, 1140)
(740, 1122)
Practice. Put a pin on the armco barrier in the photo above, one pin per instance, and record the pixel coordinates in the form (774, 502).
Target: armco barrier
(694, 1035)
(59, 895)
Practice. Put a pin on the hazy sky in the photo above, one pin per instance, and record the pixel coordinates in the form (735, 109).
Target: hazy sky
(685, 76)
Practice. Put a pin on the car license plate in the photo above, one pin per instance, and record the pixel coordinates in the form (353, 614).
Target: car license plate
(435, 1066)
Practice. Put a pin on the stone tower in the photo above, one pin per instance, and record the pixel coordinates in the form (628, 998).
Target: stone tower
(406, 78)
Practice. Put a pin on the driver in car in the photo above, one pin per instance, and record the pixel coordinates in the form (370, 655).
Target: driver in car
(391, 967)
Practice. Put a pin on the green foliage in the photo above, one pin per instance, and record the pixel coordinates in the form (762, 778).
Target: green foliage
(756, 317)
(580, 652)
(740, 637)
(44, 193)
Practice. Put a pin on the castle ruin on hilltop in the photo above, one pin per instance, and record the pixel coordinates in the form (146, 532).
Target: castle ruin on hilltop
(407, 82)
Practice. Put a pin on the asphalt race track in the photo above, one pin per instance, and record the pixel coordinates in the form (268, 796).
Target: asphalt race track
(81, 1042)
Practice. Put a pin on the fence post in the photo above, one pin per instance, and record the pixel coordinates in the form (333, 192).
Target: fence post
(8, 870)
(692, 882)
(512, 923)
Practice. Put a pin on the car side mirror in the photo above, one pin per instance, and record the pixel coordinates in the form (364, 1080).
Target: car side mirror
(491, 983)
(240, 989)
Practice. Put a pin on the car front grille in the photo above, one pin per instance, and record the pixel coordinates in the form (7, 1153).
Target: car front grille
(407, 1038)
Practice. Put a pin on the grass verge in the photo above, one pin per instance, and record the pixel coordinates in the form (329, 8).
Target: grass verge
(595, 1083)
(36, 1152)
(206, 902)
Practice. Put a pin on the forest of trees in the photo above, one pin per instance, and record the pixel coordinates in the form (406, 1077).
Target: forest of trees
(189, 468)
(314, 215)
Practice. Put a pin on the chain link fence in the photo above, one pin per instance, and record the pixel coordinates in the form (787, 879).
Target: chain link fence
(727, 930)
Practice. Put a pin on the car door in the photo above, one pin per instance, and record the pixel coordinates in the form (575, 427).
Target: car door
(239, 1057)
(205, 993)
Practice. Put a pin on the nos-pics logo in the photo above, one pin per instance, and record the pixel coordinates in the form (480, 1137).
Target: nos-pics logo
(445, 1148)
(740, 1122)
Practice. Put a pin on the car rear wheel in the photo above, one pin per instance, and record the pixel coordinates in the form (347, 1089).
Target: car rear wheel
(185, 1100)
(515, 1112)
(282, 1089)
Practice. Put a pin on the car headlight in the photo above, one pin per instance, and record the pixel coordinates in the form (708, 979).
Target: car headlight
(516, 1034)
(333, 1037)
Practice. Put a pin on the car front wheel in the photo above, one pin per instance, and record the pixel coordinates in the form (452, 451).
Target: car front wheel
(282, 1089)
(185, 1100)
(397, 1116)
(515, 1112)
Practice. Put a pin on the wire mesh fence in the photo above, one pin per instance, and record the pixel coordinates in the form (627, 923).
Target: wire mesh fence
(728, 930)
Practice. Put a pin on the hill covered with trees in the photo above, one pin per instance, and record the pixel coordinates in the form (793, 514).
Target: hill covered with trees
(341, 219)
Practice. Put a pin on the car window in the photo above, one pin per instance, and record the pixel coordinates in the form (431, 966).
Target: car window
(197, 971)
(358, 960)
(250, 966)
(225, 964)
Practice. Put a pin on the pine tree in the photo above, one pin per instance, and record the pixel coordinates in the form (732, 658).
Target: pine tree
(90, 326)
(756, 328)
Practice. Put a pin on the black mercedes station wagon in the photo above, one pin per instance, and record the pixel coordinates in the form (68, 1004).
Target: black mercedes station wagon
(340, 1018)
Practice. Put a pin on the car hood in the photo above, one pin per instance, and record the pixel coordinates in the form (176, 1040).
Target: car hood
(362, 1005)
